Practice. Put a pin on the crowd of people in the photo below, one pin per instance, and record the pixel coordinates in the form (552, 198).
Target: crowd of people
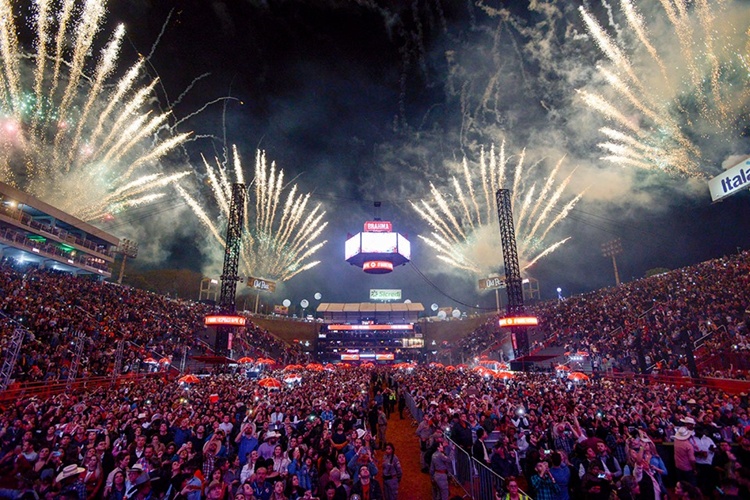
(558, 439)
(223, 438)
(53, 307)
(652, 319)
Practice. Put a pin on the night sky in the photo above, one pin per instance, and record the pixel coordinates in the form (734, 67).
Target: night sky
(363, 101)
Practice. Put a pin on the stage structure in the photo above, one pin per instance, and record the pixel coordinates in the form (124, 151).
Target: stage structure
(229, 276)
(370, 332)
(515, 318)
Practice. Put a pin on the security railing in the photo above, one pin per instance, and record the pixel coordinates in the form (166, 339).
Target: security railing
(478, 481)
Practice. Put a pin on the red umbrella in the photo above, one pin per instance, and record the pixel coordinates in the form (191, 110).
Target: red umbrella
(245, 360)
(150, 361)
(269, 383)
(165, 361)
(266, 361)
(367, 365)
(330, 368)
(578, 376)
(435, 364)
(450, 368)
(188, 379)
(316, 367)
(462, 366)
(504, 375)
(562, 368)
(291, 368)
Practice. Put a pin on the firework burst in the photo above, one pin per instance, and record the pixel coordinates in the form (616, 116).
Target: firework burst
(81, 140)
(466, 232)
(281, 232)
(678, 104)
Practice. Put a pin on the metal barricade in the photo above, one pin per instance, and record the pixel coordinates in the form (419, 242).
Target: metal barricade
(478, 481)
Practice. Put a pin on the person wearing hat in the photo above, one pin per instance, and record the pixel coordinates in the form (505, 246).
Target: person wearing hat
(684, 455)
(71, 482)
(270, 439)
(140, 487)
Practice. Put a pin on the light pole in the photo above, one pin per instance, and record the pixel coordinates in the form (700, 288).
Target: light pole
(612, 249)
(127, 248)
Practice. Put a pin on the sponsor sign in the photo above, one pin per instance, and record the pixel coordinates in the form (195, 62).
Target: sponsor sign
(376, 294)
(519, 321)
(378, 226)
(387, 356)
(730, 181)
(491, 283)
(336, 327)
(261, 284)
(224, 320)
(350, 357)
(377, 266)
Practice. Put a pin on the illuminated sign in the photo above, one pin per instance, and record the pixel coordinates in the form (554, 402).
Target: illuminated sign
(730, 181)
(519, 321)
(491, 283)
(404, 246)
(261, 284)
(225, 320)
(350, 357)
(379, 242)
(369, 327)
(352, 246)
(377, 266)
(378, 226)
(376, 294)
(387, 356)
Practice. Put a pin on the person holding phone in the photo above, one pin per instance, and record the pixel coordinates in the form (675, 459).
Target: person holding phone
(595, 484)
(545, 486)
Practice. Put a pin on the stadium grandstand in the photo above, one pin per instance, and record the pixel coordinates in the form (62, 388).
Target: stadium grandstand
(612, 414)
(32, 231)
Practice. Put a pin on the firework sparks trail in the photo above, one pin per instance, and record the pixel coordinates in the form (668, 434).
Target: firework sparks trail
(465, 226)
(677, 104)
(280, 232)
(78, 139)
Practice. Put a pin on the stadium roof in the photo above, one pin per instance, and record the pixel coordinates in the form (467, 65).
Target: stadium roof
(367, 307)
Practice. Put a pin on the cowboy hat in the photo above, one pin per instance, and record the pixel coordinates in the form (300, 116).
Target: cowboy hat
(688, 420)
(272, 434)
(69, 471)
(683, 433)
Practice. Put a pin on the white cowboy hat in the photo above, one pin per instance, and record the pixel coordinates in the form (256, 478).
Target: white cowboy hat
(683, 433)
(69, 471)
(272, 434)
(688, 420)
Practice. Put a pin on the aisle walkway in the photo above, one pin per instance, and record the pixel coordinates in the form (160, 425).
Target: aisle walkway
(414, 484)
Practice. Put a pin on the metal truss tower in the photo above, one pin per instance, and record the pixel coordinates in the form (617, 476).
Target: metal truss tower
(513, 280)
(11, 357)
(117, 368)
(78, 343)
(229, 276)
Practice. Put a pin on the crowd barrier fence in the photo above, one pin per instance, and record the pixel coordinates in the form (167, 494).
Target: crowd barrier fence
(478, 481)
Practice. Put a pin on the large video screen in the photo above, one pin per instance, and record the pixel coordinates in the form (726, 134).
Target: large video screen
(404, 247)
(379, 242)
(351, 247)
